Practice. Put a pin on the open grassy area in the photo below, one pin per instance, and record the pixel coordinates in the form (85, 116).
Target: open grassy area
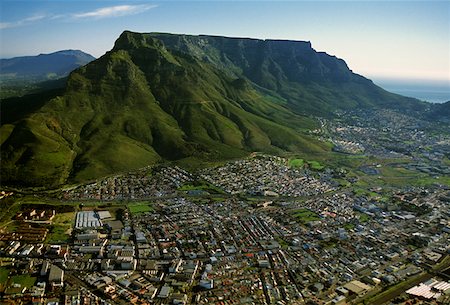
(364, 217)
(446, 161)
(395, 174)
(398, 176)
(342, 182)
(4, 273)
(24, 280)
(190, 187)
(391, 173)
(296, 163)
(140, 208)
(201, 186)
(425, 180)
(349, 226)
(315, 165)
(304, 216)
(61, 228)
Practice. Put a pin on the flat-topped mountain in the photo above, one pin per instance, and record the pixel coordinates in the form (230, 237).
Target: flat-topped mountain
(157, 97)
(308, 81)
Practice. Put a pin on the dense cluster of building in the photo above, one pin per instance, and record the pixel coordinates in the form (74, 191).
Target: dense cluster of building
(145, 183)
(272, 234)
(333, 249)
(31, 226)
(391, 134)
(266, 176)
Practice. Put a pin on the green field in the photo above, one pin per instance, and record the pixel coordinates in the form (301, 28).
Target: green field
(140, 208)
(446, 161)
(296, 163)
(304, 216)
(61, 228)
(364, 217)
(315, 165)
(398, 176)
(24, 280)
(391, 173)
(312, 164)
(4, 273)
(349, 226)
(201, 186)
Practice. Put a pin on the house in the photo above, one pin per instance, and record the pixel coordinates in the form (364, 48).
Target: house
(175, 266)
(164, 293)
(56, 276)
(44, 268)
(357, 287)
(207, 284)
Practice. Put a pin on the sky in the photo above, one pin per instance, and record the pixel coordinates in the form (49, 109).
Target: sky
(378, 39)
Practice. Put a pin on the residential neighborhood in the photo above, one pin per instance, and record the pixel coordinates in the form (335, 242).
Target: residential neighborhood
(259, 230)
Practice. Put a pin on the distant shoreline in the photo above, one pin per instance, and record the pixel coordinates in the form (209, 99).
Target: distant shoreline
(437, 97)
(429, 92)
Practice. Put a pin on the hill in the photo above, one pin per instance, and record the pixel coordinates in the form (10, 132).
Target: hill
(160, 97)
(44, 66)
(21, 75)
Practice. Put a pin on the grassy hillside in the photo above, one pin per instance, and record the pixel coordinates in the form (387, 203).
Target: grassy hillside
(161, 97)
(135, 107)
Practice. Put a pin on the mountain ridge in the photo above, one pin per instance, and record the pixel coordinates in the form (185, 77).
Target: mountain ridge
(157, 97)
(255, 63)
(60, 63)
(31, 74)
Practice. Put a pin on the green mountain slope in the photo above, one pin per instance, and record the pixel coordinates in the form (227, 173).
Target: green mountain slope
(160, 97)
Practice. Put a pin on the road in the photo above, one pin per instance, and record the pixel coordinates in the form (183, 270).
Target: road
(401, 287)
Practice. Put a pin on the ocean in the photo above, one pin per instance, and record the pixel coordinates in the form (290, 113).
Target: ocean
(425, 91)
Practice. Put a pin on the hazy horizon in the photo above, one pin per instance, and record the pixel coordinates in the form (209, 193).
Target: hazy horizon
(424, 90)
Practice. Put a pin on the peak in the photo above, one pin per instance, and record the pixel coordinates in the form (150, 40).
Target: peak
(130, 39)
(68, 52)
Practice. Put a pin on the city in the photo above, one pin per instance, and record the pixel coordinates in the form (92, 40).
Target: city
(224, 152)
(255, 231)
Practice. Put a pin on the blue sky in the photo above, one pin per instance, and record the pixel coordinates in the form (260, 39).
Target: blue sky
(381, 39)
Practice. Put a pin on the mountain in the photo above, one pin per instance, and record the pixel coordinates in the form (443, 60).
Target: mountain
(32, 74)
(157, 97)
(45, 66)
(308, 81)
